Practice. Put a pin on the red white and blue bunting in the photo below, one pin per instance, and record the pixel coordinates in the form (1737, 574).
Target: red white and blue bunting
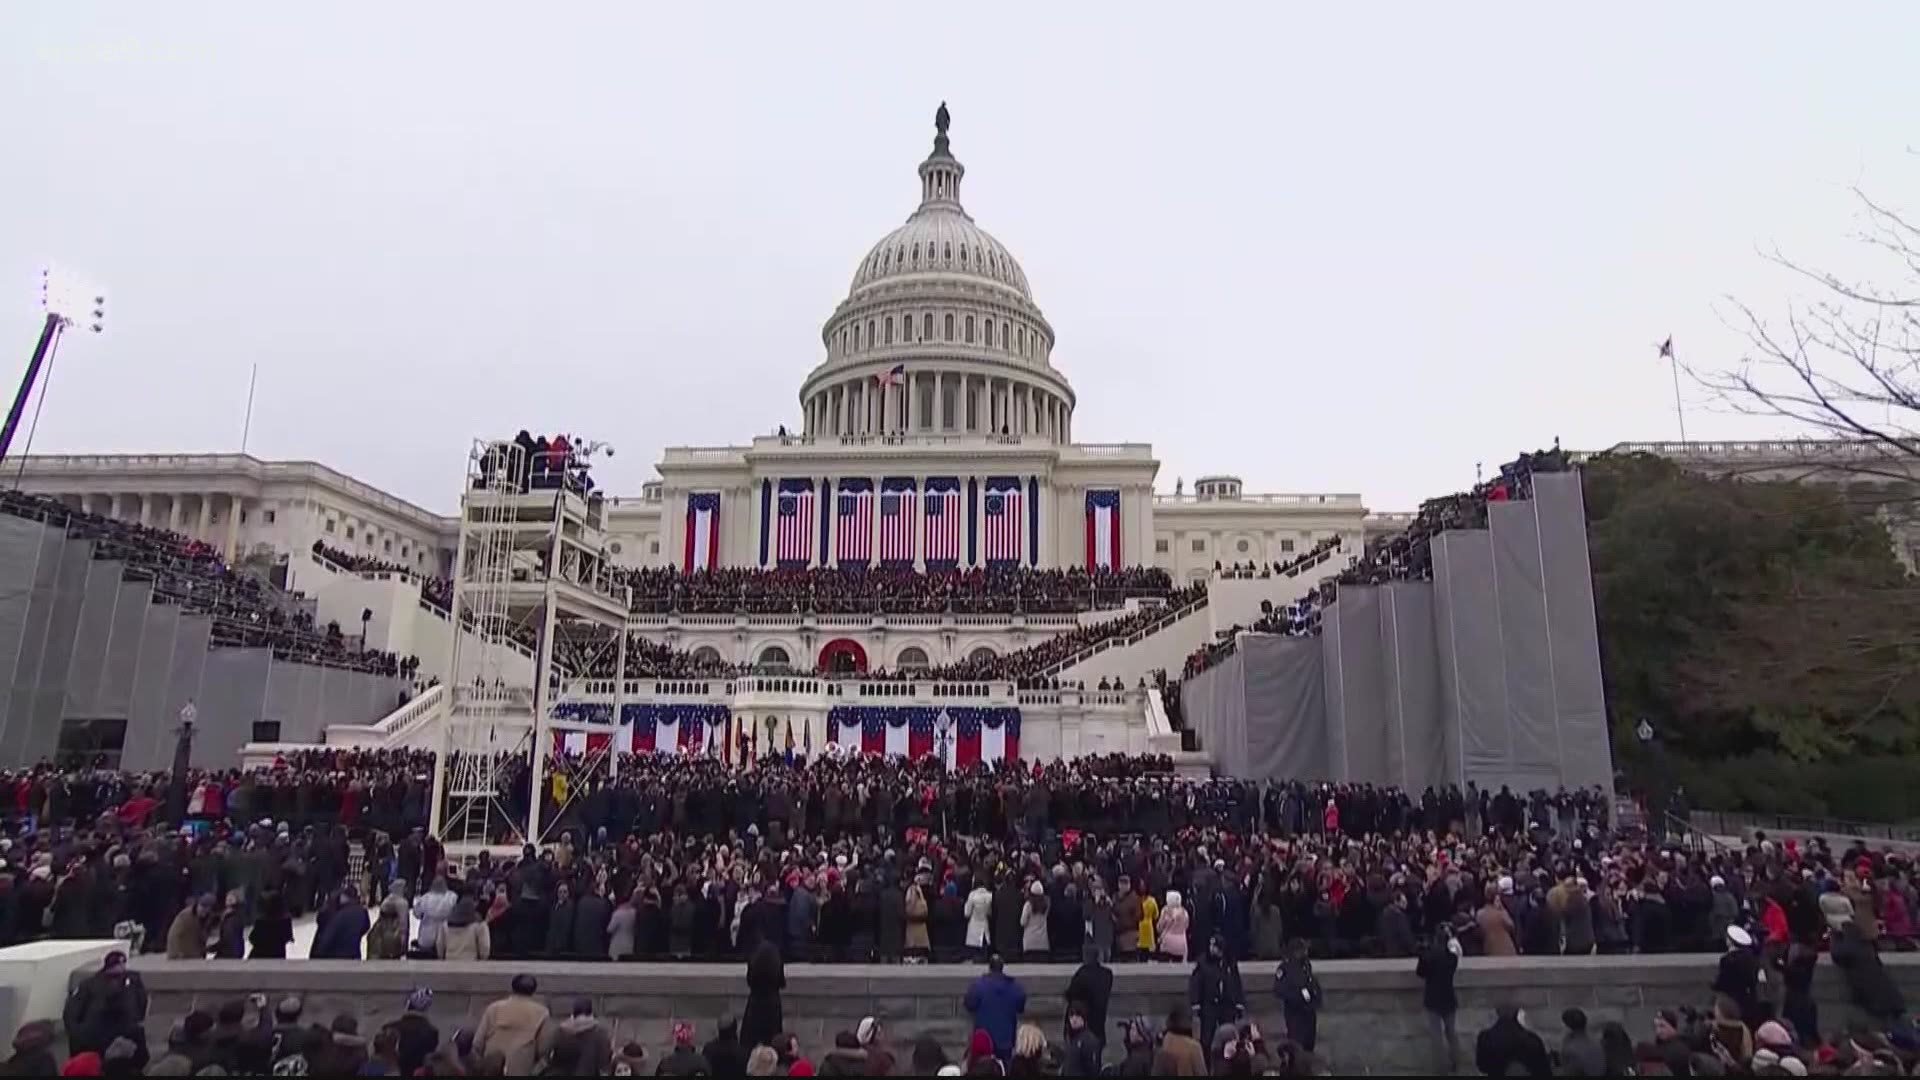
(960, 735)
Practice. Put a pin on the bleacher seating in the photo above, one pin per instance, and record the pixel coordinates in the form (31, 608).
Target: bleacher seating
(246, 610)
(837, 591)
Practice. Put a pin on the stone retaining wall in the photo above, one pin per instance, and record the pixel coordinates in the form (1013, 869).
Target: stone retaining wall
(1372, 1022)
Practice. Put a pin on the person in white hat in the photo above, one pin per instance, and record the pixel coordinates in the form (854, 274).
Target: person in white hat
(1740, 975)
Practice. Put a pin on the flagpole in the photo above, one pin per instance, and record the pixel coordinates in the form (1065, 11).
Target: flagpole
(246, 425)
(1679, 413)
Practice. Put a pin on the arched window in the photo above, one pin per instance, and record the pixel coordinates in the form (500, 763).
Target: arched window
(774, 656)
(856, 337)
(989, 330)
(926, 327)
(706, 654)
(843, 341)
(916, 254)
(889, 329)
(1006, 335)
(963, 255)
(969, 327)
(1023, 339)
(871, 340)
(912, 658)
(982, 654)
(949, 251)
(886, 259)
(949, 326)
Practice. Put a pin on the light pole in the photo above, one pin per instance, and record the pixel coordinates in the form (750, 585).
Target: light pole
(66, 303)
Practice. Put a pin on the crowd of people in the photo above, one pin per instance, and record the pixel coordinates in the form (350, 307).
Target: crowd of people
(589, 652)
(1746, 1028)
(1037, 663)
(854, 858)
(543, 463)
(892, 590)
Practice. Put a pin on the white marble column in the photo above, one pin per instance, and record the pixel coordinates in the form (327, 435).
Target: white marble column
(914, 420)
(206, 517)
(829, 556)
(235, 504)
(939, 401)
(173, 512)
(920, 522)
(1043, 551)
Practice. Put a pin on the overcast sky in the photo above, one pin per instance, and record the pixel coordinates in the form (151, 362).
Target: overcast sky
(1323, 248)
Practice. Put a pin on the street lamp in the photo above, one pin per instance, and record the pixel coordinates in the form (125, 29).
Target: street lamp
(67, 303)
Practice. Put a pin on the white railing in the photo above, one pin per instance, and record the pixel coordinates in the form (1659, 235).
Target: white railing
(1797, 449)
(1172, 616)
(1341, 500)
(393, 728)
(827, 690)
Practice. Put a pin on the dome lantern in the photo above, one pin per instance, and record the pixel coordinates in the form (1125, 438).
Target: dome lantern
(940, 174)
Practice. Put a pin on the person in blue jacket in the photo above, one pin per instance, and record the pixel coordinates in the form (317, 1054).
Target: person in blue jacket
(996, 1001)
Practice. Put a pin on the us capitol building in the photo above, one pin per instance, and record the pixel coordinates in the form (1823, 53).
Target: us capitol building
(936, 431)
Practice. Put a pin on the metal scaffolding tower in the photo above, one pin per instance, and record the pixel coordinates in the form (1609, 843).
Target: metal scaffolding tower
(530, 568)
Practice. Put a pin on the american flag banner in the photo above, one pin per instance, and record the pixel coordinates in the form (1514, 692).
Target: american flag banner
(985, 735)
(1103, 530)
(853, 522)
(945, 512)
(703, 531)
(674, 729)
(793, 524)
(1004, 520)
(576, 743)
(894, 730)
(898, 500)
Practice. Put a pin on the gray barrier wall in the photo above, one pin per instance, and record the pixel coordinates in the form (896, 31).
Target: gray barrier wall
(1372, 1022)
(1419, 744)
(79, 642)
(1490, 673)
(1263, 710)
(1573, 632)
(20, 544)
(87, 667)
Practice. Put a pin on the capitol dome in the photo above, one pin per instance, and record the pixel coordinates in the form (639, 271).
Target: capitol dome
(943, 307)
(940, 239)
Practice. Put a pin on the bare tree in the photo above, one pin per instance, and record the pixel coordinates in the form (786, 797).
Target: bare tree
(1845, 364)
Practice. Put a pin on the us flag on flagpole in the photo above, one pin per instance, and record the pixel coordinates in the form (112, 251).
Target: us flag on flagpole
(944, 514)
(795, 527)
(855, 537)
(896, 524)
(1004, 524)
